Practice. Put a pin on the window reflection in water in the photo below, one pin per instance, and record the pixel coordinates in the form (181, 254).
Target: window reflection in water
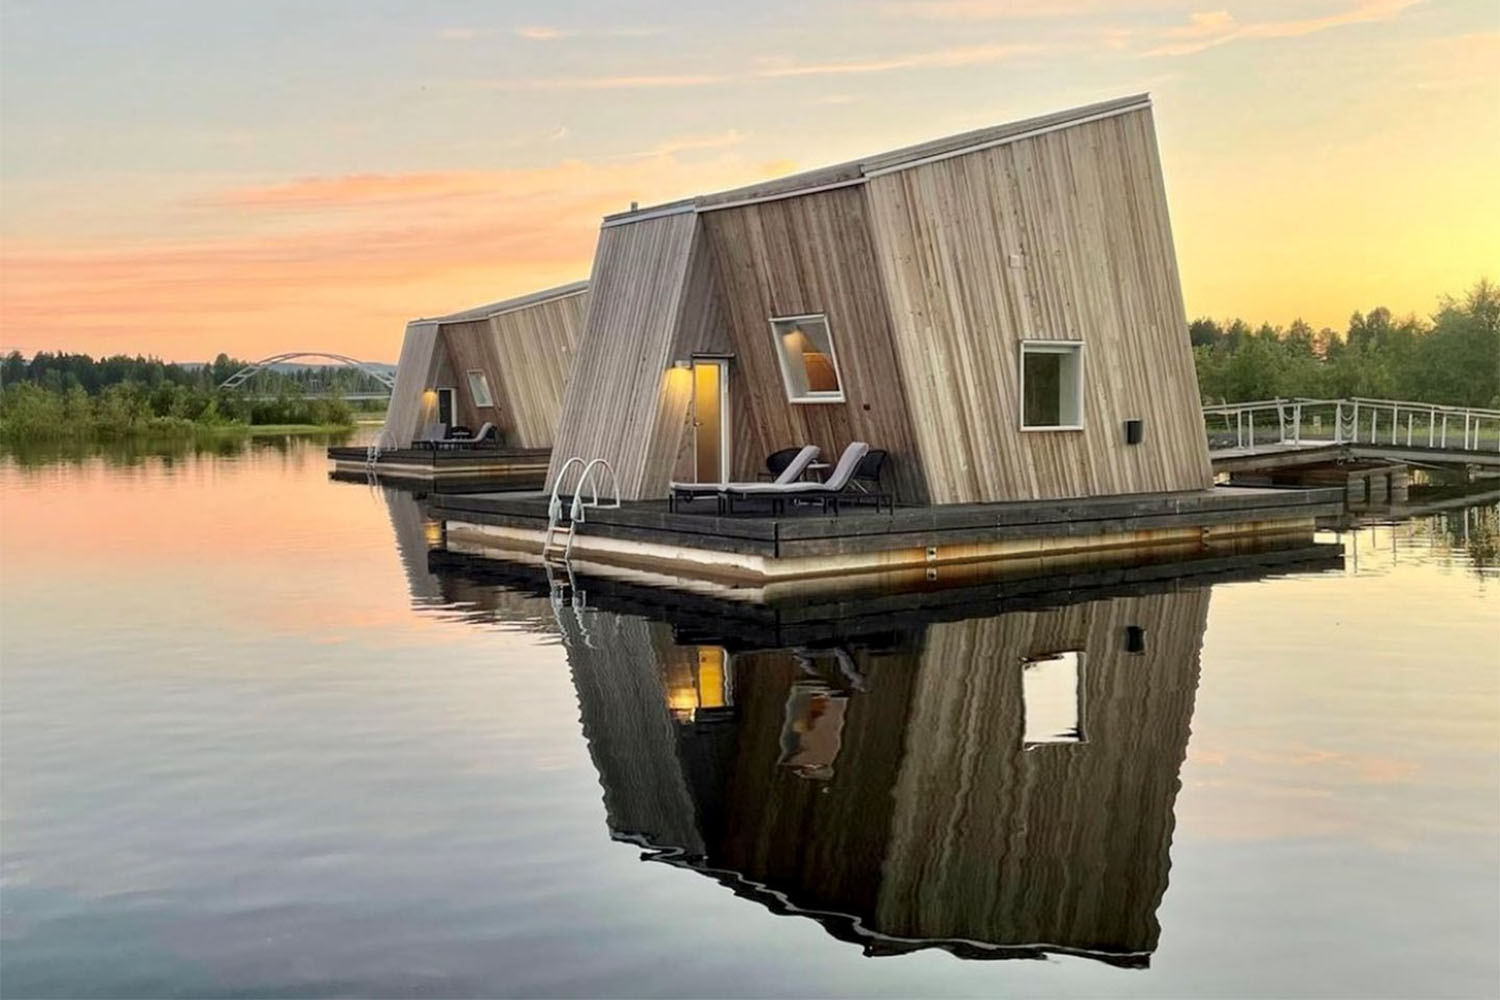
(928, 786)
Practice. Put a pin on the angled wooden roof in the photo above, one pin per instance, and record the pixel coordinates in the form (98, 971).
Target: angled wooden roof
(508, 305)
(857, 171)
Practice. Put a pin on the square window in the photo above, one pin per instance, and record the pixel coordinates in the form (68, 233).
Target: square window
(808, 364)
(1051, 385)
(479, 388)
(1052, 698)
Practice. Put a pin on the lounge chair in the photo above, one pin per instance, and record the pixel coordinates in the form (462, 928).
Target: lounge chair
(825, 493)
(867, 473)
(866, 485)
(776, 463)
(432, 435)
(485, 431)
(687, 492)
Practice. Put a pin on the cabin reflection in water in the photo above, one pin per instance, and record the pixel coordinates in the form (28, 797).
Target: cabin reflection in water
(1000, 787)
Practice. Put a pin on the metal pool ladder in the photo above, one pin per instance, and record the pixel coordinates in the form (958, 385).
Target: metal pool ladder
(577, 512)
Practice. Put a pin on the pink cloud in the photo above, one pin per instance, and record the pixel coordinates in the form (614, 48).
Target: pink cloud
(336, 262)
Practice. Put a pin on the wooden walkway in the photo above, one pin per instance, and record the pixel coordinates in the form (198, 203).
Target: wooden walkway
(1282, 433)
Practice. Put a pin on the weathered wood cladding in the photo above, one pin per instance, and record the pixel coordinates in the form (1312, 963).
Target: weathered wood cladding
(933, 265)
(524, 346)
(933, 821)
(414, 372)
(622, 699)
(526, 355)
(1061, 843)
(626, 403)
(1085, 210)
(794, 257)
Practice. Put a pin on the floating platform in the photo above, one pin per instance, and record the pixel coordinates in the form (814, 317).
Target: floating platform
(1363, 482)
(747, 618)
(500, 469)
(756, 551)
(1291, 454)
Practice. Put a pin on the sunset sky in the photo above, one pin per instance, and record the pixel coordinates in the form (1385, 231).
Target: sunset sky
(182, 177)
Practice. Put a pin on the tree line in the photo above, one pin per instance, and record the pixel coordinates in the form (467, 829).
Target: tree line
(1452, 358)
(62, 370)
(52, 396)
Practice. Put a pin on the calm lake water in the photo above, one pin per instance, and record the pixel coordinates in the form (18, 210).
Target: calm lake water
(252, 746)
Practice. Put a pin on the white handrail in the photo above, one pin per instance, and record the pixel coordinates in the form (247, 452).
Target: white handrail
(554, 505)
(576, 515)
(1357, 420)
(587, 480)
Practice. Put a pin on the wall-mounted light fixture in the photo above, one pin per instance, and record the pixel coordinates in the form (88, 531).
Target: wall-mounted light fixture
(682, 363)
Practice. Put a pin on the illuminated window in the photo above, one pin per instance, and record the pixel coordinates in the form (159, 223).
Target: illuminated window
(1052, 698)
(1051, 385)
(808, 364)
(479, 388)
(700, 688)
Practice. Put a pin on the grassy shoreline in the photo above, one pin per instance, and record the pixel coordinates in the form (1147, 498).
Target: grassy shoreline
(167, 431)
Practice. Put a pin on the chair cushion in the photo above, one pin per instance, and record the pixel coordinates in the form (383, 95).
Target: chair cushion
(774, 489)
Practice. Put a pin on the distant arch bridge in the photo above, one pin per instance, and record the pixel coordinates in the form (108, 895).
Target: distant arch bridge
(245, 374)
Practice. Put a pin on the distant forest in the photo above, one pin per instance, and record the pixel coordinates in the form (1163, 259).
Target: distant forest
(1453, 358)
(74, 395)
(62, 371)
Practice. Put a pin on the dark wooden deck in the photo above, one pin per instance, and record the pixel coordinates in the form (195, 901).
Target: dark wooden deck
(808, 532)
(505, 468)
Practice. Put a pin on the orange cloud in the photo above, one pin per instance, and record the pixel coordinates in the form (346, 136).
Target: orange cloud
(335, 263)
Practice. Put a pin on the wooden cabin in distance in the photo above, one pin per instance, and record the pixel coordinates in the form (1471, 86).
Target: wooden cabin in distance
(1000, 311)
(505, 364)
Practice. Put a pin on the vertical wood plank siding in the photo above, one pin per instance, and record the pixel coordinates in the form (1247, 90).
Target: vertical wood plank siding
(1086, 210)
(914, 270)
(525, 352)
(936, 823)
(618, 674)
(413, 371)
(536, 348)
(625, 403)
(793, 257)
(526, 355)
(1065, 844)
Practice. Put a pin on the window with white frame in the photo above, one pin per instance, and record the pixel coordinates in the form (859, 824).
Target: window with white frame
(479, 388)
(808, 365)
(1052, 698)
(1051, 385)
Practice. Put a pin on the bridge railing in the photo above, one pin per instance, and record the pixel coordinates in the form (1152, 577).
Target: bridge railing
(384, 378)
(1303, 422)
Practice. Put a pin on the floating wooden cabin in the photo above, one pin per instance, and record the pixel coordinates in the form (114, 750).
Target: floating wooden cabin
(504, 364)
(999, 311)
